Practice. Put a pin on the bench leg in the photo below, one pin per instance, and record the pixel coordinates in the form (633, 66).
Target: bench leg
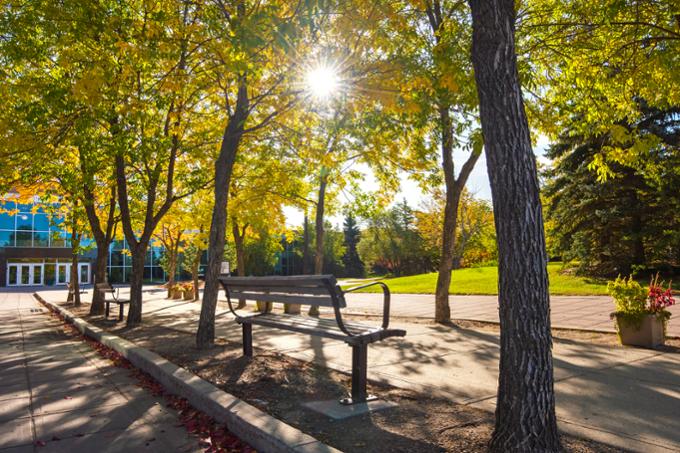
(359, 368)
(359, 365)
(247, 340)
(120, 316)
(106, 316)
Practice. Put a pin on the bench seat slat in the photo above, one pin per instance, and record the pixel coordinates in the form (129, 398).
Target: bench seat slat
(324, 301)
(305, 290)
(326, 328)
(293, 280)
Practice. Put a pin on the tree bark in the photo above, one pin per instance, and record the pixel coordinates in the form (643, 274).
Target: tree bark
(318, 256)
(136, 281)
(205, 336)
(240, 254)
(75, 286)
(103, 238)
(305, 247)
(195, 265)
(525, 411)
(454, 190)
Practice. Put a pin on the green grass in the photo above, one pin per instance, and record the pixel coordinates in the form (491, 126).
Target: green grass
(484, 280)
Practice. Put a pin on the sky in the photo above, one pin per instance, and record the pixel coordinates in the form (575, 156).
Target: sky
(477, 184)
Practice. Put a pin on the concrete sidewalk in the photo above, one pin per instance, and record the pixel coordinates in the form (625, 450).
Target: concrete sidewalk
(569, 312)
(625, 397)
(58, 395)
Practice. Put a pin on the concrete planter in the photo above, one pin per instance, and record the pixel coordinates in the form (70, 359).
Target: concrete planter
(264, 307)
(649, 334)
(188, 294)
(292, 309)
(176, 293)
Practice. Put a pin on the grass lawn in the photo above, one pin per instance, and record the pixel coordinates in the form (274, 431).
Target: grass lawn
(484, 280)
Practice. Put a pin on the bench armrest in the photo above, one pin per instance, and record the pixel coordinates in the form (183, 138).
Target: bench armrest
(386, 299)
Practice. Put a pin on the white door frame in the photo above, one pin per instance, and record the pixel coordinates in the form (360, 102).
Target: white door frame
(32, 268)
(67, 279)
(80, 273)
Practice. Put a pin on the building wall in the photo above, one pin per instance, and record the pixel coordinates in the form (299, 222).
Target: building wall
(29, 235)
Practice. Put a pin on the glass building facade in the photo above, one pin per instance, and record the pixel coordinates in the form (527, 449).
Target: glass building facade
(35, 250)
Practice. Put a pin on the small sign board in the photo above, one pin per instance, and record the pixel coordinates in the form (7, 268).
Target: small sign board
(224, 267)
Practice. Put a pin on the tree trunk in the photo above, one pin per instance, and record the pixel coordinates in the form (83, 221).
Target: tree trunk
(75, 286)
(103, 238)
(172, 270)
(442, 309)
(525, 411)
(205, 336)
(305, 246)
(75, 245)
(454, 190)
(136, 281)
(240, 255)
(318, 256)
(195, 265)
(100, 267)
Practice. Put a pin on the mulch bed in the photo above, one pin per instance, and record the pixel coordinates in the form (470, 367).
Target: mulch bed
(278, 385)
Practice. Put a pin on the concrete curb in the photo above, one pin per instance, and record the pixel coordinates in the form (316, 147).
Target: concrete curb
(259, 429)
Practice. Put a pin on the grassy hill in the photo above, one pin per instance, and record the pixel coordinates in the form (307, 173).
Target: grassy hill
(484, 280)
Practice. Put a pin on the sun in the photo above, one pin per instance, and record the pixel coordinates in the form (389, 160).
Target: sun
(322, 82)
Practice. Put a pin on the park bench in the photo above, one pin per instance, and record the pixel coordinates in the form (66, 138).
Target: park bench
(111, 296)
(319, 290)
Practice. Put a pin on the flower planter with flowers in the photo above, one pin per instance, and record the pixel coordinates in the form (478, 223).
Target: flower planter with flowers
(176, 291)
(188, 290)
(641, 314)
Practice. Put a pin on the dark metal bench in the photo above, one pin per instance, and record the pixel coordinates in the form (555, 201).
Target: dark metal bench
(111, 297)
(319, 290)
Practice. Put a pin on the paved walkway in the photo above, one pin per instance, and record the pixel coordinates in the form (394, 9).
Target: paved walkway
(626, 397)
(571, 312)
(57, 395)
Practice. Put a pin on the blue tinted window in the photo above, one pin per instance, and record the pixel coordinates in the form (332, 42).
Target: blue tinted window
(57, 240)
(6, 221)
(24, 207)
(40, 222)
(24, 221)
(24, 238)
(6, 238)
(116, 259)
(40, 239)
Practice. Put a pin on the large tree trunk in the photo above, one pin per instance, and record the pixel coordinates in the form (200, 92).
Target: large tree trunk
(525, 411)
(205, 336)
(318, 256)
(136, 282)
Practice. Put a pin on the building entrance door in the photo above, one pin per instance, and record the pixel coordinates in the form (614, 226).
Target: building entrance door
(63, 273)
(24, 274)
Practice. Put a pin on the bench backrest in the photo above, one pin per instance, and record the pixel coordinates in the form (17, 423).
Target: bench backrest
(320, 290)
(104, 287)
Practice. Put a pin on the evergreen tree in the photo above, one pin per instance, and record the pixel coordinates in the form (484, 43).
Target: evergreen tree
(628, 218)
(354, 267)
